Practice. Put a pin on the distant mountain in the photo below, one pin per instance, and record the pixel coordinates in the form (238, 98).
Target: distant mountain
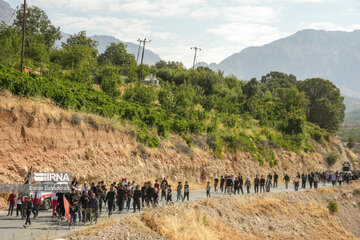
(333, 55)
(6, 12)
(352, 104)
(150, 57)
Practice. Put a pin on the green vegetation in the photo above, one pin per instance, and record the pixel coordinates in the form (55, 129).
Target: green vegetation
(333, 207)
(231, 115)
(345, 133)
(351, 143)
(331, 158)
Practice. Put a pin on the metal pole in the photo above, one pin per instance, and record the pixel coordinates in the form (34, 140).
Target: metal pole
(142, 59)
(23, 38)
(137, 58)
(196, 49)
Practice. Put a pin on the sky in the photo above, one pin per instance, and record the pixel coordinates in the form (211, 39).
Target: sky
(219, 27)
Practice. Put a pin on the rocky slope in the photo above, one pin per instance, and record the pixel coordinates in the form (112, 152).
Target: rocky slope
(35, 132)
(300, 215)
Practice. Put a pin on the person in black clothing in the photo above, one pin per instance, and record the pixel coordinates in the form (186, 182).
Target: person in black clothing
(143, 193)
(84, 203)
(110, 197)
(241, 183)
(236, 186)
(156, 196)
(60, 205)
(149, 194)
(28, 208)
(262, 184)
(216, 181)
(164, 181)
(74, 209)
(94, 204)
(186, 191)
(169, 194)
(121, 193)
(136, 198)
(310, 179)
(222, 182)
(93, 188)
(229, 184)
(276, 176)
(270, 177)
(256, 184)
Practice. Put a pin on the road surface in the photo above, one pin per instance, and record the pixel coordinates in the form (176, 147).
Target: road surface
(46, 227)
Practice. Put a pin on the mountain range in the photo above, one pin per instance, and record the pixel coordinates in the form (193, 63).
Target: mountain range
(6, 12)
(333, 55)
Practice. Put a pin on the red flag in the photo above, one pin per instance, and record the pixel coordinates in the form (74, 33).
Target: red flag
(67, 209)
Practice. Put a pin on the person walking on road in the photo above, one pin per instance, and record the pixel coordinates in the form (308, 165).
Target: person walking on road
(110, 197)
(296, 182)
(216, 181)
(179, 191)
(268, 184)
(169, 195)
(333, 179)
(28, 208)
(256, 184)
(136, 198)
(186, 191)
(276, 176)
(316, 180)
(54, 200)
(287, 180)
(208, 188)
(11, 200)
(310, 180)
(74, 209)
(248, 185)
(37, 202)
(303, 180)
(241, 183)
(222, 182)
(262, 184)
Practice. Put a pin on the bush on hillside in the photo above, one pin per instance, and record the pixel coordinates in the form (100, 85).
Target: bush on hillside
(351, 143)
(333, 207)
(331, 158)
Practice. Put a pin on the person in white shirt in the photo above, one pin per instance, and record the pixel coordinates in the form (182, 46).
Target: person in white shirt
(54, 202)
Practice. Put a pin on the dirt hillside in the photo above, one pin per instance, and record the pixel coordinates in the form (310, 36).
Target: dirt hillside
(36, 132)
(300, 215)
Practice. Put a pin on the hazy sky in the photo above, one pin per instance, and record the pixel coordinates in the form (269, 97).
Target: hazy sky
(219, 27)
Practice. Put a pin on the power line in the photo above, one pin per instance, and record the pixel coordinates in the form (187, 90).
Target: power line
(196, 49)
(142, 57)
(23, 38)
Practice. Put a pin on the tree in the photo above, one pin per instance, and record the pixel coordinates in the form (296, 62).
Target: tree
(10, 44)
(117, 55)
(78, 50)
(326, 108)
(38, 25)
(351, 143)
(111, 80)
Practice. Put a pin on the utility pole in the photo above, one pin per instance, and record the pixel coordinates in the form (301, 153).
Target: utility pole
(196, 49)
(137, 58)
(23, 38)
(142, 57)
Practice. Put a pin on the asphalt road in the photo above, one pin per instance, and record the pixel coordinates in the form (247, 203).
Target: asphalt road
(46, 227)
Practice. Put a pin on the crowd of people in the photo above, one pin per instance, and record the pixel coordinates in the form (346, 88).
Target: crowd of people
(88, 201)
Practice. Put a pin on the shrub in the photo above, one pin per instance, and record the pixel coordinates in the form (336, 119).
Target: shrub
(331, 158)
(333, 207)
(351, 143)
